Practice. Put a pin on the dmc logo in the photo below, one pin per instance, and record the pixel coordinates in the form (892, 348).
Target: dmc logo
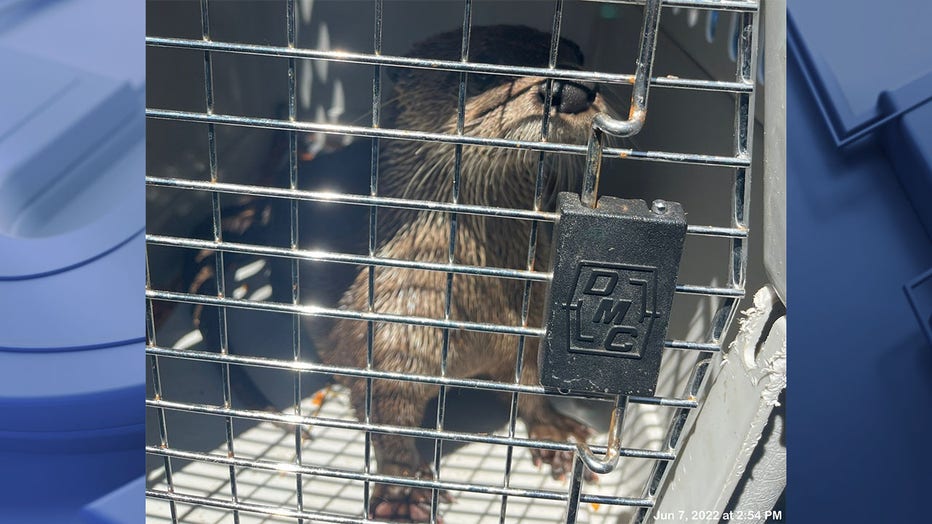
(612, 309)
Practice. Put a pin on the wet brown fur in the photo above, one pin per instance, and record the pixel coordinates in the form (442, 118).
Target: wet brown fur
(499, 108)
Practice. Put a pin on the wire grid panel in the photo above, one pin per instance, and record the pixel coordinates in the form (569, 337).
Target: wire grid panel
(264, 473)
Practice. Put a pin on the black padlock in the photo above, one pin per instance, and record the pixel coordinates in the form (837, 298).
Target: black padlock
(614, 275)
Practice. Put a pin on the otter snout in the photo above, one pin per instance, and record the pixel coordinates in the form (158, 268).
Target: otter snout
(568, 96)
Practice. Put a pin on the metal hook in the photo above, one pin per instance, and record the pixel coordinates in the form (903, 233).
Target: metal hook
(610, 460)
(603, 123)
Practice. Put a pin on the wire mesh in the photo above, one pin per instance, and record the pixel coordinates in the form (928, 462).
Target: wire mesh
(508, 496)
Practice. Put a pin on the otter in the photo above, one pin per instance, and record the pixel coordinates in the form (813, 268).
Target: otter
(496, 107)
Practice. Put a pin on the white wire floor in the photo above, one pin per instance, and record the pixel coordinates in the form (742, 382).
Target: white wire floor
(344, 449)
(479, 463)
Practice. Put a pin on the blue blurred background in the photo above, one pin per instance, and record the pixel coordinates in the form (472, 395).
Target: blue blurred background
(72, 267)
(860, 370)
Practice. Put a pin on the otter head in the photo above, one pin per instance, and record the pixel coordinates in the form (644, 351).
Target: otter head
(496, 106)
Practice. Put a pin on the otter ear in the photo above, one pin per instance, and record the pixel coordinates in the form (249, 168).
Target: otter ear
(444, 46)
(574, 50)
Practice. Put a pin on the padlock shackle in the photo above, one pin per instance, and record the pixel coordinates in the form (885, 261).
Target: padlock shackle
(637, 114)
(607, 463)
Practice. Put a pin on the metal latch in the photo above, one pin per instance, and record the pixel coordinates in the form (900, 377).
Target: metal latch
(615, 264)
(614, 274)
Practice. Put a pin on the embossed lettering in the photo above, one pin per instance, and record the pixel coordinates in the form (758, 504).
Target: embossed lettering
(611, 315)
(605, 290)
(620, 330)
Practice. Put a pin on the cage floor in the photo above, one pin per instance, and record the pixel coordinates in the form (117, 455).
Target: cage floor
(475, 463)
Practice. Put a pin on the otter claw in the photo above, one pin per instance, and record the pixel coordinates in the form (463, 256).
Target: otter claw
(558, 428)
(445, 496)
(402, 512)
(403, 504)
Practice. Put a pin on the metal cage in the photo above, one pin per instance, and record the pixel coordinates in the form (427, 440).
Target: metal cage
(262, 474)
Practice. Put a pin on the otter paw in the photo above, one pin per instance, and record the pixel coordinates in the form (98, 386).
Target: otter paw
(404, 503)
(559, 428)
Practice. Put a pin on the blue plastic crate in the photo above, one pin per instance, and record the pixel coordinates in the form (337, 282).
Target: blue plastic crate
(72, 318)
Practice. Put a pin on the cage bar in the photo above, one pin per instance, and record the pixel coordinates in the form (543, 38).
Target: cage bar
(269, 465)
(460, 436)
(157, 393)
(291, 30)
(309, 310)
(373, 242)
(218, 237)
(309, 127)
(443, 65)
(312, 367)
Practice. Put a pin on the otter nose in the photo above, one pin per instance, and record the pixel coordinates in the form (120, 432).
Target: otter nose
(569, 97)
